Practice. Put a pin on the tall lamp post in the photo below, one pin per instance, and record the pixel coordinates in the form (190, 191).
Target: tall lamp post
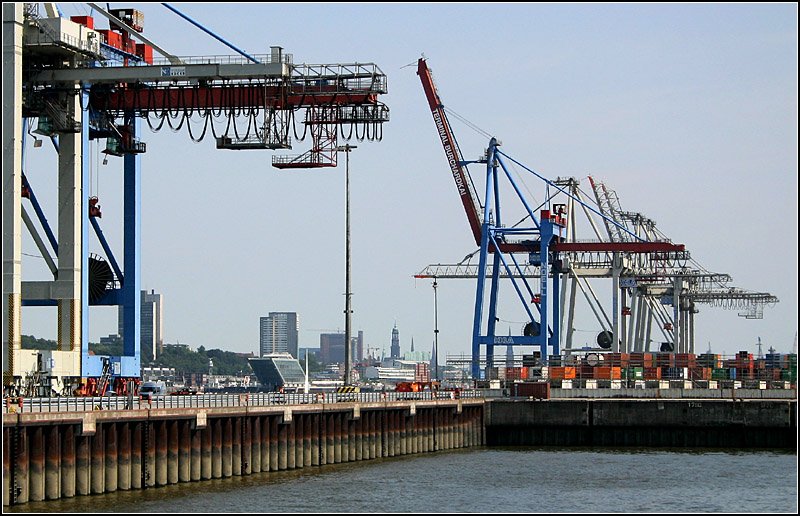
(347, 310)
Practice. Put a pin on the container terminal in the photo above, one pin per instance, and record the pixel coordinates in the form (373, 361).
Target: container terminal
(76, 423)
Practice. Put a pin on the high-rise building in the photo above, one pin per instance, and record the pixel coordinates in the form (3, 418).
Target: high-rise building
(395, 349)
(152, 321)
(331, 347)
(278, 333)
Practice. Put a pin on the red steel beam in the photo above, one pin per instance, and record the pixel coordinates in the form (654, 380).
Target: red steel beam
(628, 247)
(127, 98)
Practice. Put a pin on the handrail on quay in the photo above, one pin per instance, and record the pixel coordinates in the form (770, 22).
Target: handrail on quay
(88, 404)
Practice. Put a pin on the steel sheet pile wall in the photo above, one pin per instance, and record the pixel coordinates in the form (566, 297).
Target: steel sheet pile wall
(101, 452)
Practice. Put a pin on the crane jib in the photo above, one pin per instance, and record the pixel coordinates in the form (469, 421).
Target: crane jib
(449, 151)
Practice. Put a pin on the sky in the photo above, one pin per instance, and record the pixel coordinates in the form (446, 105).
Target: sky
(687, 111)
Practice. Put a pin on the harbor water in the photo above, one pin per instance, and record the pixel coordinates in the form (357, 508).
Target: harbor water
(486, 480)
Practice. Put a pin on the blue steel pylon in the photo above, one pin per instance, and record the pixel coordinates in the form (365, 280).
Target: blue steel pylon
(538, 237)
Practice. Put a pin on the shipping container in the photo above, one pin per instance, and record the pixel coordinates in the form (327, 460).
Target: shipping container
(557, 373)
(652, 373)
(536, 390)
(665, 360)
(86, 21)
(685, 360)
(602, 373)
(700, 373)
(633, 373)
(112, 38)
(709, 360)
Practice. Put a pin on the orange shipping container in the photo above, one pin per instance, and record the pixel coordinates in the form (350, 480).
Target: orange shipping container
(557, 373)
(616, 373)
(570, 373)
(602, 373)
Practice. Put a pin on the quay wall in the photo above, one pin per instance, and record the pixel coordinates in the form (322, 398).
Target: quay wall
(729, 423)
(52, 455)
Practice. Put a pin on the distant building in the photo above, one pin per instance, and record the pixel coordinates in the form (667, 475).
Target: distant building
(359, 345)
(176, 345)
(434, 362)
(166, 374)
(278, 333)
(152, 322)
(417, 356)
(331, 348)
(394, 351)
(278, 371)
(315, 353)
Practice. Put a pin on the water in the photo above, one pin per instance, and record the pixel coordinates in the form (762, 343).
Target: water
(487, 480)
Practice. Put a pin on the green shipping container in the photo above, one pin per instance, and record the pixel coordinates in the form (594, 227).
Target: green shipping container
(633, 373)
(720, 374)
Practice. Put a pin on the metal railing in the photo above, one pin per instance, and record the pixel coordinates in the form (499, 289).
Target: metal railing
(88, 404)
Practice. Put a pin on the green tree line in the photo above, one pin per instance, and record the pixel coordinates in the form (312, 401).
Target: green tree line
(184, 360)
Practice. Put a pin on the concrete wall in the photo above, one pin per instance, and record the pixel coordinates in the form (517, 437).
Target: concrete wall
(627, 422)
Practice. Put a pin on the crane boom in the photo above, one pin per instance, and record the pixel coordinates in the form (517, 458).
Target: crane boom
(451, 150)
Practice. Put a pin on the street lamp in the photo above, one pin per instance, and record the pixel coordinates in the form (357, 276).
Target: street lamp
(347, 310)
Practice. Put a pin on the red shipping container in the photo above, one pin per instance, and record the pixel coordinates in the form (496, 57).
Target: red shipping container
(86, 21)
(536, 390)
(112, 38)
(685, 360)
(145, 52)
(586, 371)
(652, 373)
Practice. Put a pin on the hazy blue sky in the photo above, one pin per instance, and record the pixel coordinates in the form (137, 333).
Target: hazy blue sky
(688, 111)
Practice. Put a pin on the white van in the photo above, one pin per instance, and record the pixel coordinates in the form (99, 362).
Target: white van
(150, 390)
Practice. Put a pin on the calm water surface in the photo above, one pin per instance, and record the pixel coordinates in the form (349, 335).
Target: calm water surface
(484, 480)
